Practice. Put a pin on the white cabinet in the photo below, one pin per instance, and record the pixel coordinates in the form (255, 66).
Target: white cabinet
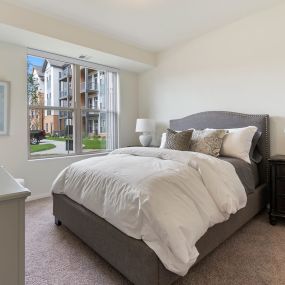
(12, 230)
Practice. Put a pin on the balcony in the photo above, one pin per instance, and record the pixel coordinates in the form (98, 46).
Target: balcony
(65, 93)
(65, 115)
(89, 87)
(92, 85)
(65, 73)
(94, 106)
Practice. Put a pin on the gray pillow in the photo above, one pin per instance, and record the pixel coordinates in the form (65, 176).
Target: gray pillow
(178, 140)
(254, 153)
(207, 141)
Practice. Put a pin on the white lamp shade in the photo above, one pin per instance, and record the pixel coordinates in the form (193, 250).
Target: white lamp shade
(144, 125)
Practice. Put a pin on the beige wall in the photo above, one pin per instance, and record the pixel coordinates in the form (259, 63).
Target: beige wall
(39, 174)
(240, 67)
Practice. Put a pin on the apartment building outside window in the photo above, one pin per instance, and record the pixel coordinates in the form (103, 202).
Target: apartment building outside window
(75, 108)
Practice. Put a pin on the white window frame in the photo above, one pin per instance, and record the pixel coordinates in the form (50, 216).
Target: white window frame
(76, 109)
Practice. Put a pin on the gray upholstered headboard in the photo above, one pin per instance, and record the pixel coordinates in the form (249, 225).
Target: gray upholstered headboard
(227, 120)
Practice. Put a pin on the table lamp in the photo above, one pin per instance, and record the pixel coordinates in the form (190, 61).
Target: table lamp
(145, 126)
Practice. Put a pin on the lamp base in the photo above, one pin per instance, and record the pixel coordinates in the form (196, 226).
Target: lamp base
(145, 139)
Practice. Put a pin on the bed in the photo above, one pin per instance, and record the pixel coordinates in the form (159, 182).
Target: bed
(132, 257)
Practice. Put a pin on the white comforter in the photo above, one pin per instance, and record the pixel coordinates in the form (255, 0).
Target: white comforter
(167, 198)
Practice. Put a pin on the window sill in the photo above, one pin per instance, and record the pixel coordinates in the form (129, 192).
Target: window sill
(71, 156)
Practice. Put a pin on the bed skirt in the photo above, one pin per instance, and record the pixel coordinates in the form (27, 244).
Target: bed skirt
(132, 257)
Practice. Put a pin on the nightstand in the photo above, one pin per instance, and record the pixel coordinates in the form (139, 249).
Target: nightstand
(277, 188)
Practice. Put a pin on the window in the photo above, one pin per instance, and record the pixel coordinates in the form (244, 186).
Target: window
(72, 106)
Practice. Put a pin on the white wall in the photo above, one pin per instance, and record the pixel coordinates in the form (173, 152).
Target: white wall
(39, 174)
(106, 50)
(128, 108)
(240, 67)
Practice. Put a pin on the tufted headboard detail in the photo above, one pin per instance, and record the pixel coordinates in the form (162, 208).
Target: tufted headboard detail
(227, 120)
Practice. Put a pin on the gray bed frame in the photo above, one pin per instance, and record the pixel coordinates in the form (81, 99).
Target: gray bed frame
(132, 257)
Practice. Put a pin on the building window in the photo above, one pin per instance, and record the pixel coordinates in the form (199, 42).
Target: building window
(79, 114)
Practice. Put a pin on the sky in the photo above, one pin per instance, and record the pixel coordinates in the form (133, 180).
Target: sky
(34, 60)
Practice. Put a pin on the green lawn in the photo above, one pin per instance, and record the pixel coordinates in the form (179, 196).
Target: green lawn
(61, 139)
(41, 147)
(95, 143)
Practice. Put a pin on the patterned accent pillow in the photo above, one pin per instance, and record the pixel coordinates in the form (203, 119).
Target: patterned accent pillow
(207, 141)
(178, 140)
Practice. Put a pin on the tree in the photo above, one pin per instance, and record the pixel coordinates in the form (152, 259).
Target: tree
(32, 86)
(33, 99)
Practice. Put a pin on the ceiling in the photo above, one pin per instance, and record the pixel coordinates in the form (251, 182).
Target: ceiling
(153, 25)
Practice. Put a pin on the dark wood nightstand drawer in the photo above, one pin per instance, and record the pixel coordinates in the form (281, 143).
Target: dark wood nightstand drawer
(280, 204)
(280, 186)
(280, 170)
(277, 188)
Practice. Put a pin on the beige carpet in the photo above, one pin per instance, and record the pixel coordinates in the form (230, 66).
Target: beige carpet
(54, 256)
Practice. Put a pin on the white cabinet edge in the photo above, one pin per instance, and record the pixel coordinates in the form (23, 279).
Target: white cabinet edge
(10, 188)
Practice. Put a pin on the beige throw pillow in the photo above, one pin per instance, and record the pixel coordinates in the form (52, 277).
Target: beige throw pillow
(178, 140)
(207, 141)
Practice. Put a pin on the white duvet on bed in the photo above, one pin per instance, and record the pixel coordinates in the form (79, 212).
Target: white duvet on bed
(165, 197)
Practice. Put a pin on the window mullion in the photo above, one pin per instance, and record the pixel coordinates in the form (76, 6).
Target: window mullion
(77, 111)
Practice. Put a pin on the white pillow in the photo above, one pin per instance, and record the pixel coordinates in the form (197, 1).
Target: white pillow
(163, 140)
(237, 143)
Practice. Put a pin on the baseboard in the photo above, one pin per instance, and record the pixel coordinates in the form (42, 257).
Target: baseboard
(38, 196)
